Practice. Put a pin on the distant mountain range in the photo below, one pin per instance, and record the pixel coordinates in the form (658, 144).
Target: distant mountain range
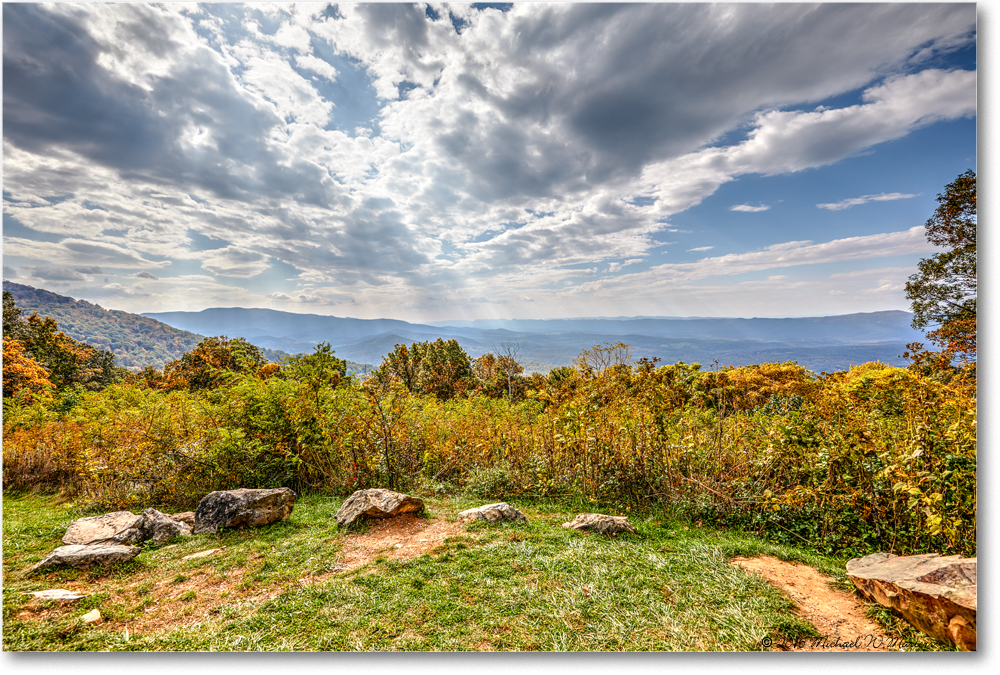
(827, 343)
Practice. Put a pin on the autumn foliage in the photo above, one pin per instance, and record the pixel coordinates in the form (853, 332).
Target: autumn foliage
(873, 458)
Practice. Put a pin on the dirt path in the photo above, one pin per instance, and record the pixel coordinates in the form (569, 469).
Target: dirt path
(837, 615)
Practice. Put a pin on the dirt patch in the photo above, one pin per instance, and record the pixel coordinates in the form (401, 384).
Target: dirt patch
(152, 606)
(203, 594)
(399, 538)
(837, 615)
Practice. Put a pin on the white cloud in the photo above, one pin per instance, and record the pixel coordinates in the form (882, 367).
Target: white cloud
(700, 248)
(317, 65)
(857, 201)
(747, 208)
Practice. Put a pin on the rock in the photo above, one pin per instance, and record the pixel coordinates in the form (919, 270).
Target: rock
(186, 517)
(57, 594)
(493, 513)
(377, 503)
(120, 527)
(242, 507)
(93, 616)
(598, 522)
(85, 557)
(160, 528)
(936, 594)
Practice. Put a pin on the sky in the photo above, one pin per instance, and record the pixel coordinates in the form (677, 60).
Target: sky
(431, 162)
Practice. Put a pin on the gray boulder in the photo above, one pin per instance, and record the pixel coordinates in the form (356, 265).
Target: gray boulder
(120, 527)
(493, 513)
(242, 507)
(85, 557)
(598, 522)
(160, 528)
(934, 593)
(377, 503)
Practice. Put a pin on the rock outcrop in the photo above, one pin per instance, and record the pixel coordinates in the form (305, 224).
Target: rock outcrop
(377, 503)
(241, 508)
(159, 528)
(86, 557)
(598, 522)
(118, 528)
(935, 593)
(493, 513)
(124, 528)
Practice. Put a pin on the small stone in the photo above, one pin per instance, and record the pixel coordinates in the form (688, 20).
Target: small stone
(242, 507)
(377, 503)
(120, 527)
(201, 554)
(493, 513)
(85, 557)
(57, 594)
(93, 616)
(598, 522)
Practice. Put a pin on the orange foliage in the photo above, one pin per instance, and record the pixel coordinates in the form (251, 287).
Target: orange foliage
(21, 372)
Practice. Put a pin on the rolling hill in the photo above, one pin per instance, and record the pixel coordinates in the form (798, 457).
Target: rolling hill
(820, 343)
(136, 341)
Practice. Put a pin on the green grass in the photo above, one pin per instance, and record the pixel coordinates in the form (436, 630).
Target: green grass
(533, 586)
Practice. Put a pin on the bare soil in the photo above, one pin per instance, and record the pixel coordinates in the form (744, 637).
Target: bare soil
(400, 538)
(838, 616)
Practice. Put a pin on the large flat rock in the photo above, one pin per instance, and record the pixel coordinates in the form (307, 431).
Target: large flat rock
(377, 503)
(242, 508)
(934, 593)
(86, 557)
(120, 527)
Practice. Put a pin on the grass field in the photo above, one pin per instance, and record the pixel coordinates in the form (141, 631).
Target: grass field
(533, 586)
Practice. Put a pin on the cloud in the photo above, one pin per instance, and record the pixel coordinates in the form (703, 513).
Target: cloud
(234, 261)
(700, 248)
(786, 142)
(747, 208)
(532, 147)
(857, 201)
(9, 272)
(69, 252)
(144, 275)
(777, 256)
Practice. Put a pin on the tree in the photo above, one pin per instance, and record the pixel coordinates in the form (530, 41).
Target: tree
(316, 370)
(603, 357)
(943, 292)
(439, 368)
(14, 326)
(401, 364)
(445, 370)
(509, 366)
(21, 372)
(212, 363)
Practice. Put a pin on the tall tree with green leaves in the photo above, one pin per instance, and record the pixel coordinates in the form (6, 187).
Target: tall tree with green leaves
(943, 292)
